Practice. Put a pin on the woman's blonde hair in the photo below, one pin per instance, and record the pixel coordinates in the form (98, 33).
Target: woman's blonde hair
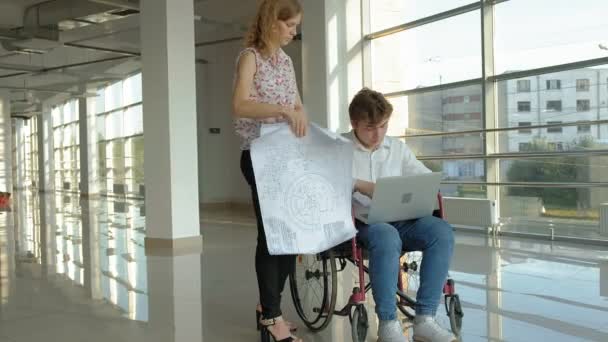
(268, 13)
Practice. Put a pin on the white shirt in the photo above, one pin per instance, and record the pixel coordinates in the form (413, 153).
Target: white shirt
(391, 158)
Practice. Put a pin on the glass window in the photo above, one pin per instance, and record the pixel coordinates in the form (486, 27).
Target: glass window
(554, 105)
(525, 124)
(526, 36)
(583, 105)
(449, 50)
(554, 129)
(524, 146)
(523, 106)
(582, 85)
(560, 205)
(573, 138)
(556, 146)
(554, 84)
(389, 13)
(584, 128)
(66, 134)
(132, 90)
(120, 138)
(113, 96)
(449, 110)
(523, 86)
(133, 121)
(403, 61)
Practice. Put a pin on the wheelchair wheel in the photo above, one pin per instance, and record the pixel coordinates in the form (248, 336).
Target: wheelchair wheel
(410, 268)
(359, 323)
(313, 289)
(410, 280)
(455, 314)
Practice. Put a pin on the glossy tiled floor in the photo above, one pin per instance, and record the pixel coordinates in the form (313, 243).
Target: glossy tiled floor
(77, 271)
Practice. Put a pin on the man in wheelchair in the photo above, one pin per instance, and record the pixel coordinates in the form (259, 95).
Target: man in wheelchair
(375, 156)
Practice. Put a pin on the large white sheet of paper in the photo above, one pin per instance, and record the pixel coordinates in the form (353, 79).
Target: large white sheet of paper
(304, 188)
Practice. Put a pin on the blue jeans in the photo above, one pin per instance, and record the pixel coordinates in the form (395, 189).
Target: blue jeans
(385, 241)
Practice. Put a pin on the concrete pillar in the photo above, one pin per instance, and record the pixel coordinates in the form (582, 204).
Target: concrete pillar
(48, 239)
(6, 142)
(175, 297)
(91, 247)
(42, 154)
(19, 161)
(88, 150)
(170, 137)
(45, 138)
(7, 259)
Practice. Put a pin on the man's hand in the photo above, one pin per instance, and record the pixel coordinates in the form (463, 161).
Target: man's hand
(365, 187)
(298, 120)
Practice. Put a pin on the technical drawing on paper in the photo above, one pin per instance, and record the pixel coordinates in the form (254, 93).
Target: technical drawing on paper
(304, 187)
(309, 198)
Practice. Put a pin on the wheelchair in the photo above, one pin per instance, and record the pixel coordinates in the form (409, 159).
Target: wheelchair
(313, 286)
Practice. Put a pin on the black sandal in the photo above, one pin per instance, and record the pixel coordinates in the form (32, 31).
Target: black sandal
(265, 323)
(258, 315)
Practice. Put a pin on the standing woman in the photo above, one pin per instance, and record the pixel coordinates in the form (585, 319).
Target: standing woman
(266, 92)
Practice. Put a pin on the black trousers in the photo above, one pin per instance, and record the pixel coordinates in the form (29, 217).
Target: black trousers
(272, 270)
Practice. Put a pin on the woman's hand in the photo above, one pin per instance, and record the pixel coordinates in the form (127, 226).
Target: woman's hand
(298, 120)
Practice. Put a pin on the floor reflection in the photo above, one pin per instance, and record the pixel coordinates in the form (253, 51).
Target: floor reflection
(76, 270)
(96, 244)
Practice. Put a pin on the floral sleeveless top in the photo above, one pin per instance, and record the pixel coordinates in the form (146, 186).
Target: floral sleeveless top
(274, 82)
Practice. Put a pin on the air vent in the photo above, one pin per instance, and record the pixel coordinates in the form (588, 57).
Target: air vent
(125, 12)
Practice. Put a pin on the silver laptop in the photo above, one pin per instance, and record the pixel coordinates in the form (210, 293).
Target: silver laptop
(401, 198)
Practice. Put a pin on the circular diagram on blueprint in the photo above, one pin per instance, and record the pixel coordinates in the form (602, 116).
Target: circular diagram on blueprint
(308, 198)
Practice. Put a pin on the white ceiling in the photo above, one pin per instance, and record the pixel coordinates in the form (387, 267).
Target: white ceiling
(220, 19)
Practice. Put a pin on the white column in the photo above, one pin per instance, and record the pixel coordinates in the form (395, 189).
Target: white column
(42, 154)
(490, 103)
(8, 277)
(19, 156)
(332, 60)
(47, 166)
(87, 137)
(91, 248)
(170, 137)
(89, 183)
(6, 142)
(175, 298)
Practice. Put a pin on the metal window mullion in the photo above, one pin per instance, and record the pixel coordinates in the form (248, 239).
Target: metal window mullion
(506, 129)
(488, 98)
(550, 69)
(535, 184)
(517, 155)
(123, 108)
(424, 21)
(445, 86)
(490, 146)
(428, 19)
(366, 44)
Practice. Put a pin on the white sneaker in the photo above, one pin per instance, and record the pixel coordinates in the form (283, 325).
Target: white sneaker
(426, 329)
(391, 331)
